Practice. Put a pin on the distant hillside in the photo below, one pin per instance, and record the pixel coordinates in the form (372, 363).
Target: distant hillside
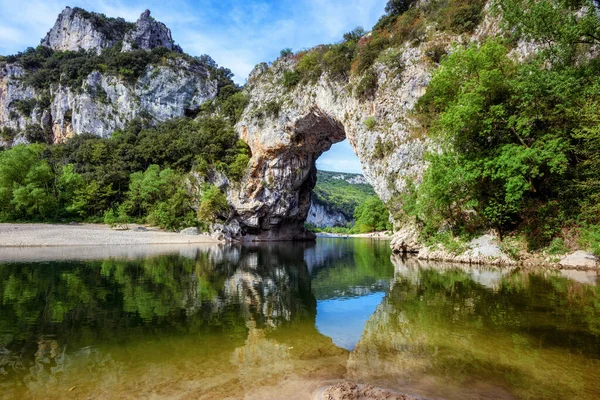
(335, 198)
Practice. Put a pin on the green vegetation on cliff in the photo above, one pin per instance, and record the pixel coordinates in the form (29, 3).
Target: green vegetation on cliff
(519, 141)
(352, 196)
(341, 192)
(141, 173)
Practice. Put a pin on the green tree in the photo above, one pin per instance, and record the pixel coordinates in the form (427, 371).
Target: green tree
(371, 215)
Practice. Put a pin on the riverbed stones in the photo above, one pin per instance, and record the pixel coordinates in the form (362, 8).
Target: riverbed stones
(192, 231)
(579, 259)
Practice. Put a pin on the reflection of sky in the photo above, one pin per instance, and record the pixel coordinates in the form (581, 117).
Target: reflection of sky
(343, 320)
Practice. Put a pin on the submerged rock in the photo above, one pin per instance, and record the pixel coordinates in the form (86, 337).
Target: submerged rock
(353, 391)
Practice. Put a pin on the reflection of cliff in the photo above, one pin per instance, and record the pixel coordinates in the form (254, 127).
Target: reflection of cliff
(271, 284)
(458, 332)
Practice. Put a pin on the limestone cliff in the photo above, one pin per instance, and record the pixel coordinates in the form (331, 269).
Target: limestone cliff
(76, 29)
(309, 119)
(322, 216)
(102, 101)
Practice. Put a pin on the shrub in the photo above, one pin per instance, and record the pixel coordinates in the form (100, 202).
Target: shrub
(290, 79)
(272, 109)
(286, 52)
(590, 238)
(213, 205)
(354, 35)
(25, 107)
(309, 66)
(369, 51)
(370, 123)
(557, 246)
(397, 7)
(367, 86)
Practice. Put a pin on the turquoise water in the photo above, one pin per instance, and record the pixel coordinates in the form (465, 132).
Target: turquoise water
(284, 320)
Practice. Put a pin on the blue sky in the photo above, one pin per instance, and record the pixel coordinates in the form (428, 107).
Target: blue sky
(238, 34)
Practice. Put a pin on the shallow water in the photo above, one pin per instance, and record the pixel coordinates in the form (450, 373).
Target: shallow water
(284, 320)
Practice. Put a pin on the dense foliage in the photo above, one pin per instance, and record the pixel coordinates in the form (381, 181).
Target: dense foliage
(336, 193)
(140, 172)
(345, 193)
(404, 23)
(45, 67)
(519, 141)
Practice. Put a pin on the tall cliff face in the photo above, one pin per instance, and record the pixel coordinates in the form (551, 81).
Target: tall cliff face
(103, 100)
(76, 29)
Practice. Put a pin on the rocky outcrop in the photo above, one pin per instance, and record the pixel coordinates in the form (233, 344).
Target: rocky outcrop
(280, 121)
(104, 102)
(481, 250)
(148, 34)
(580, 259)
(321, 216)
(76, 29)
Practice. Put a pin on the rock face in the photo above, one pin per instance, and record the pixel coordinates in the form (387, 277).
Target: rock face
(309, 119)
(105, 102)
(148, 34)
(579, 259)
(76, 29)
(321, 216)
(288, 128)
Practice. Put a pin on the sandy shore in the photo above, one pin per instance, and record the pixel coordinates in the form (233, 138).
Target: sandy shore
(44, 235)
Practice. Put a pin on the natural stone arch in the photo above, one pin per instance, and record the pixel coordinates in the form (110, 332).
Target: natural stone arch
(288, 128)
(273, 202)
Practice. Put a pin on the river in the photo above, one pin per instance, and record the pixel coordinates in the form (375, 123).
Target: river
(284, 320)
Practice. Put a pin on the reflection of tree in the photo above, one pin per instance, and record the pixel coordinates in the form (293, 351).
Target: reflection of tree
(78, 304)
(343, 268)
(535, 334)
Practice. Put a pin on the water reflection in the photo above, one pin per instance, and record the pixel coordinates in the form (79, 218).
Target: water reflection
(281, 320)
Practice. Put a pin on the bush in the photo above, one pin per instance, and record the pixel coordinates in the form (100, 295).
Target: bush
(286, 52)
(370, 123)
(590, 238)
(367, 86)
(213, 205)
(397, 7)
(290, 79)
(310, 67)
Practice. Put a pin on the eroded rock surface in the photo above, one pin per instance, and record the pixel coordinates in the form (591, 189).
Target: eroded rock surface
(579, 259)
(76, 29)
(321, 216)
(103, 102)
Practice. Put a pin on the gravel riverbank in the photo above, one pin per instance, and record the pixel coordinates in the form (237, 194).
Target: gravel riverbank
(44, 235)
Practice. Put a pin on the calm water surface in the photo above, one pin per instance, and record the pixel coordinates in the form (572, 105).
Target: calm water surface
(283, 320)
